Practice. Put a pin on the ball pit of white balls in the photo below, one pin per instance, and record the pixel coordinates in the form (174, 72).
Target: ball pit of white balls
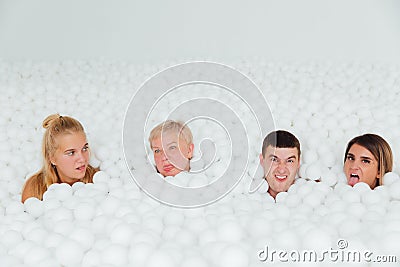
(114, 223)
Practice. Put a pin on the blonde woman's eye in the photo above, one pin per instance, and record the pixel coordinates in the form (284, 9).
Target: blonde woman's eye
(157, 151)
(71, 153)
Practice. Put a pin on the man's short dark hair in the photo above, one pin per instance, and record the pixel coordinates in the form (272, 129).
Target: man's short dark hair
(281, 139)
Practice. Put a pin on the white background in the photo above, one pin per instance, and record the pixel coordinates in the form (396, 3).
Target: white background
(150, 31)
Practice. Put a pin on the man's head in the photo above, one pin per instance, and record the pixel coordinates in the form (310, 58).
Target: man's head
(172, 146)
(280, 159)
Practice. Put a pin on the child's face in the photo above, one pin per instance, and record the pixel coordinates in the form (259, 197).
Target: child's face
(361, 166)
(71, 157)
(171, 153)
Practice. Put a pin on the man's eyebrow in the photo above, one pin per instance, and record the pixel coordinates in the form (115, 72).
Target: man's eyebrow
(274, 156)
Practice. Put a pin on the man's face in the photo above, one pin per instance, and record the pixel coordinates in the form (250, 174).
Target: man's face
(171, 153)
(280, 167)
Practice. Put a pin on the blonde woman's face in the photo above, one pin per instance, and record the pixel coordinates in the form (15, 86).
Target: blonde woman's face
(361, 166)
(71, 157)
(171, 153)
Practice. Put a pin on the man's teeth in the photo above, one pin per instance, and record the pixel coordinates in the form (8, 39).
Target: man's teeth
(281, 176)
(354, 175)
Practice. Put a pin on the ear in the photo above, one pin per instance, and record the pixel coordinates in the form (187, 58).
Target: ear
(379, 176)
(52, 160)
(261, 158)
(190, 152)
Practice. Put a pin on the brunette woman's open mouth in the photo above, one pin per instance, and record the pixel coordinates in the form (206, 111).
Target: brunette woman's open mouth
(353, 179)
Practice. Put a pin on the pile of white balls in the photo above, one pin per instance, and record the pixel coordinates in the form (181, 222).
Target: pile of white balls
(113, 223)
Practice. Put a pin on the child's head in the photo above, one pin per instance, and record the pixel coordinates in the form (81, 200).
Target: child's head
(172, 146)
(65, 150)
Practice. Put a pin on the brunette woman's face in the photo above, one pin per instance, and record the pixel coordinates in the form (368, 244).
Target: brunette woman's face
(71, 157)
(361, 166)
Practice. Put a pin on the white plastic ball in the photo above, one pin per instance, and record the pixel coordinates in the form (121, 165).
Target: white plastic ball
(11, 238)
(175, 217)
(92, 258)
(317, 239)
(116, 255)
(314, 200)
(390, 177)
(62, 191)
(9, 260)
(186, 238)
(351, 196)
(109, 205)
(83, 236)
(101, 177)
(314, 171)
(230, 231)
(195, 261)
(122, 234)
(36, 255)
(59, 214)
(139, 254)
(370, 197)
(281, 197)
(63, 227)
(292, 200)
(329, 178)
(69, 253)
(349, 227)
(234, 256)
(282, 211)
(84, 212)
(36, 235)
(256, 227)
(53, 240)
(310, 156)
(361, 188)
(394, 190)
(161, 258)
(14, 207)
(389, 243)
